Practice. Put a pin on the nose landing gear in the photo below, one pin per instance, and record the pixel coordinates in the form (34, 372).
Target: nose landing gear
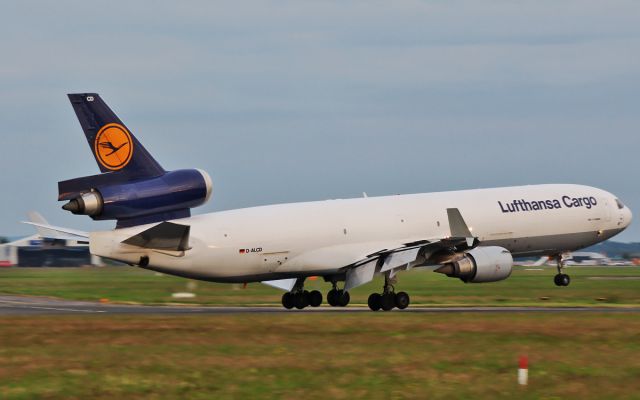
(561, 279)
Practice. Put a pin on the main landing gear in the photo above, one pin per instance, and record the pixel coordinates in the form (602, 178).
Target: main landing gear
(561, 279)
(388, 299)
(338, 297)
(301, 299)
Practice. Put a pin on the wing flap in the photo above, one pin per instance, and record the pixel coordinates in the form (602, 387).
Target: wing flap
(360, 275)
(399, 258)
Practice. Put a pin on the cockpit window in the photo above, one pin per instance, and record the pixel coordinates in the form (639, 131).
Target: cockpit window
(619, 203)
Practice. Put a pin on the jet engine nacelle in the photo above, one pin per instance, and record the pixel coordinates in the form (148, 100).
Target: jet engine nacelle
(482, 264)
(172, 191)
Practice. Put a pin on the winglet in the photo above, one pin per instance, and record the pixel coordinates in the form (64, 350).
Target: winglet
(458, 227)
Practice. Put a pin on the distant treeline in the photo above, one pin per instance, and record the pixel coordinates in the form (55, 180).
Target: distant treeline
(617, 249)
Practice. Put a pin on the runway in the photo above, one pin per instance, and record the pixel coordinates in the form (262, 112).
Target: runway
(28, 305)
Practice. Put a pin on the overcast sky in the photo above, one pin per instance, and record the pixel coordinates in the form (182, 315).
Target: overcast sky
(285, 101)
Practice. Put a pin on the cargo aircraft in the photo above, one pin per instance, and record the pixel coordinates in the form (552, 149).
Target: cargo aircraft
(471, 235)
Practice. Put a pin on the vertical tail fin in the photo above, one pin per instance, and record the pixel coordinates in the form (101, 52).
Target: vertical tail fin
(113, 145)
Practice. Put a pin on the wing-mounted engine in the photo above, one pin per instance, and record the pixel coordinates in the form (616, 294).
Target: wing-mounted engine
(167, 196)
(481, 264)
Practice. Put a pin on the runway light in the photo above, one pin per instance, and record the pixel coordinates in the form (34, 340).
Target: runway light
(523, 371)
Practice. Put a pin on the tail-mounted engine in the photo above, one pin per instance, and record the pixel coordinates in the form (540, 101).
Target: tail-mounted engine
(168, 196)
(481, 264)
(132, 188)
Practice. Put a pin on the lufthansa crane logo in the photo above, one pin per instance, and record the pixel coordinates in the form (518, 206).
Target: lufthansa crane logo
(113, 147)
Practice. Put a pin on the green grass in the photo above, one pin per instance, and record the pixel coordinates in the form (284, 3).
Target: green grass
(316, 356)
(319, 356)
(606, 286)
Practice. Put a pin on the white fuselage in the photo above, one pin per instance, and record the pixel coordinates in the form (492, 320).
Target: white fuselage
(302, 239)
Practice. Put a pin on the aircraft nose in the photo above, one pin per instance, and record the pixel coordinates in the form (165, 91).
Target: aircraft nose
(628, 216)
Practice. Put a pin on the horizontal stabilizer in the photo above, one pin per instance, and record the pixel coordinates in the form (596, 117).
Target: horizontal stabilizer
(47, 231)
(164, 236)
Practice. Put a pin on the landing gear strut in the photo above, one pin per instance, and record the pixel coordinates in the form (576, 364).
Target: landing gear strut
(561, 279)
(388, 299)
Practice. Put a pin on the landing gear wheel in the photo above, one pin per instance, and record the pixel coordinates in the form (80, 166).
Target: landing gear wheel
(301, 300)
(562, 280)
(375, 301)
(402, 300)
(315, 298)
(388, 302)
(332, 298)
(556, 279)
(287, 300)
(343, 298)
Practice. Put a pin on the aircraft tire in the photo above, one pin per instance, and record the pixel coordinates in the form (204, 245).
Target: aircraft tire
(402, 300)
(565, 280)
(558, 279)
(375, 301)
(388, 302)
(300, 300)
(343, 298)
(332, 298)
(287, 300)
(315, 298)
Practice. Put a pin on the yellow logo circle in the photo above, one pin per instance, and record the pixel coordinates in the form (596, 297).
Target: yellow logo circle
(113, 147)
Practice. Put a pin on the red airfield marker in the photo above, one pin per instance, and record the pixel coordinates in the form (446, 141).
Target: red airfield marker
(523, 370)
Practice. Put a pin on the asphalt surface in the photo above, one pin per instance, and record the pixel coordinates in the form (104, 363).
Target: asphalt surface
(28, 305)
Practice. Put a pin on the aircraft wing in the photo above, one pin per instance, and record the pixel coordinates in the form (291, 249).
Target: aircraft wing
(402, 258)
(361, 261)
(349, 257)
(333, 257)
